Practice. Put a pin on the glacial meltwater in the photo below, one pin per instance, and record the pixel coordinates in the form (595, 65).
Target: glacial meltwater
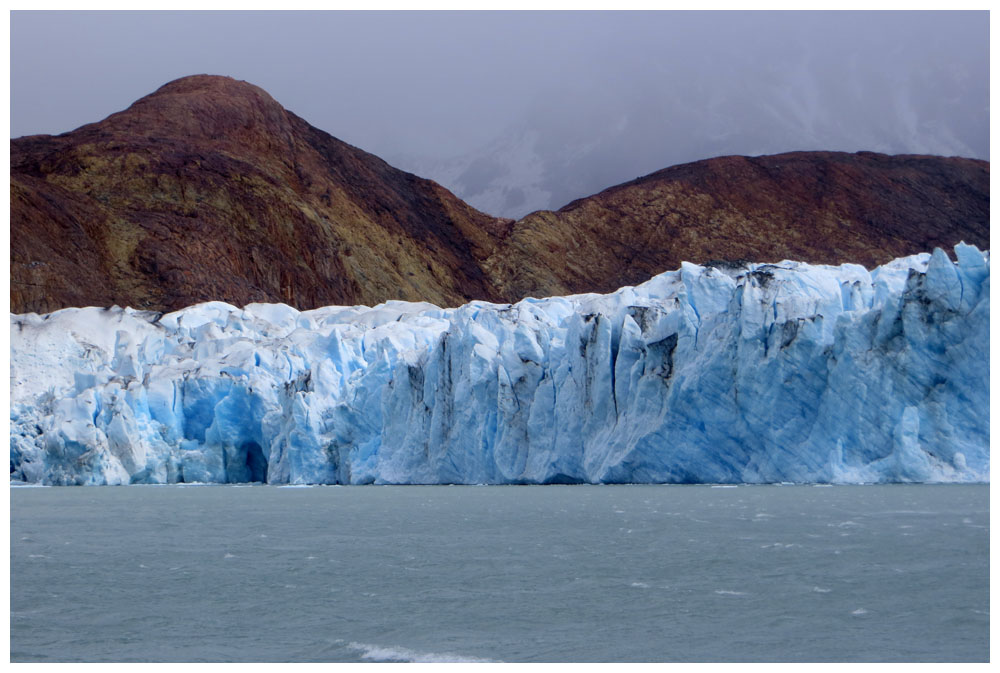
(500, 573)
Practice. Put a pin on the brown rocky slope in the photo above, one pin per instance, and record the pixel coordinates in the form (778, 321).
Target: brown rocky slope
(818, 207)
(208, 189)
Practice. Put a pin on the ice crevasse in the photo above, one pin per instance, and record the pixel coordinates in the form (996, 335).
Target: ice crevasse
(783, 372)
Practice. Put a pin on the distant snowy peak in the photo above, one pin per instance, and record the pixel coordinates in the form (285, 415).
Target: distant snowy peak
(725, 374)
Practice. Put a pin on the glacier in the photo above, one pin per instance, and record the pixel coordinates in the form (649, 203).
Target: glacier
(724, 373)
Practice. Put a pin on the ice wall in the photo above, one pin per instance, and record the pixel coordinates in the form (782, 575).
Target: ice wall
(761, 373)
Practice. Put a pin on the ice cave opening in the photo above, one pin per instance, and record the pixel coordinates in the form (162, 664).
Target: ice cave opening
(256, 462)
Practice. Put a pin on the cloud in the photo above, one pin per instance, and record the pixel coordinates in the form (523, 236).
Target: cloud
(533, 109)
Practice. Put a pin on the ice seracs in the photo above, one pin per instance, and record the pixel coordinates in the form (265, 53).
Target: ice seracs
(754, 373)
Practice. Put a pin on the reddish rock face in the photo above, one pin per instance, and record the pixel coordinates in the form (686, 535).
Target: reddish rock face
(208, 189)
(818, 207)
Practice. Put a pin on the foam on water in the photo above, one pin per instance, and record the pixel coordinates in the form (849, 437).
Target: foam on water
(382, 653)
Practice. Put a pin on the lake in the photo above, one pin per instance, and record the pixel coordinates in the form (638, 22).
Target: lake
(500, 573)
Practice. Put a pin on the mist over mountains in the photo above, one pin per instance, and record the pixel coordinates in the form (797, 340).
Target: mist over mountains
(764, 85)
(515, 111)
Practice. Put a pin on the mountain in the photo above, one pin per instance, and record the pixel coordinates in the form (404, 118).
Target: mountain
(208, 189)
(817, 207)
(579, 137)
(745, 373)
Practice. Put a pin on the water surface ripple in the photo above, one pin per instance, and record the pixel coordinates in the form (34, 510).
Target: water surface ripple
(508, 573)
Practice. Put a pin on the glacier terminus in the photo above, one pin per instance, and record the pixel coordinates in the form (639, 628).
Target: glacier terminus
(724, 373)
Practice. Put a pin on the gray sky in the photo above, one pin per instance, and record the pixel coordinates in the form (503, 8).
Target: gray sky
(521, 110)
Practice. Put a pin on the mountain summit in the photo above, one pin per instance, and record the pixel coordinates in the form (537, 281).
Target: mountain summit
(208, 189)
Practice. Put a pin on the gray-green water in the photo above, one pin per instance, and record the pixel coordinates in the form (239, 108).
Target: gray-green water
(550, 573)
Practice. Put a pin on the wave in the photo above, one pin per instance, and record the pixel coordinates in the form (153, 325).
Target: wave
(402, 654)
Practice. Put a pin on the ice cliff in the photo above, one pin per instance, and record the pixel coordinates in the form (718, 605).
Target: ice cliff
(758, 373)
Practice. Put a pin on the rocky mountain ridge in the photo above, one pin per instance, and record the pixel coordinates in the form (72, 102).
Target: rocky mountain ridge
(816, 207)
(208, 189)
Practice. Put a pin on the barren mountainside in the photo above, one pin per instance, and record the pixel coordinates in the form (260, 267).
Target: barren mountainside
(817, 207)
(208, 189)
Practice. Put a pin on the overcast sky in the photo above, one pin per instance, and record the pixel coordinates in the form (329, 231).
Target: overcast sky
(612, 95)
